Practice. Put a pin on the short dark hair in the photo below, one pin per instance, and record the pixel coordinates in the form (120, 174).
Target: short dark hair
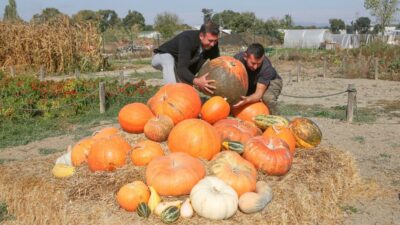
(255, 49)
(209, 27)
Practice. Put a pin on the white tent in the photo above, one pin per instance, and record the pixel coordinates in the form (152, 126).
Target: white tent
(346, 40)
(309, 38)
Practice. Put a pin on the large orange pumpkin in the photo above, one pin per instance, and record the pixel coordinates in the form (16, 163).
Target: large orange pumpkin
(249, 111)
(105, 132)
(271, 155)
(106, 155)
(178, 101)
(174, 174)
(282, 132)
(131, 195)
(215, 109)
(236, 130)
(134, 116)
(121, 142)
(306, 132)
(145, 151)
(235, 171)
(195, 137)
(80, 151)
(158, 128)
(230, 77)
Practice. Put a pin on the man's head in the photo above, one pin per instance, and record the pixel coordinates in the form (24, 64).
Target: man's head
(254, 56)
(209, 35)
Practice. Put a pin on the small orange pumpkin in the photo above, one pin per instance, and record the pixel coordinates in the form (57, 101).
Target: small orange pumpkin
(195, 137)
(134, 116)
(106, 155)
(282, 132)
(145, 151)
(106, 132)
(214, 109)
(235, 171)
(178, 101)
(158, 128)
(80, 151)
(132, 194)
(249, 111)
(271, 155)
(174, 174)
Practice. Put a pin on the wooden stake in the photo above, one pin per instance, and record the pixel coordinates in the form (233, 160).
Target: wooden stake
(298, 72)
(77, 73)
(41, 73)
(351, 102)
(121, 78)
(102, 97)
(376, 64)
(324, 70)
(12, 71)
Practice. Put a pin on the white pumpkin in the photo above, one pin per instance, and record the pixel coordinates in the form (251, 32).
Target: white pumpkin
(212, 198)
(65, 158)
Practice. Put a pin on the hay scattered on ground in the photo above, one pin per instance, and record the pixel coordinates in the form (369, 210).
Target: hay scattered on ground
(311, 193)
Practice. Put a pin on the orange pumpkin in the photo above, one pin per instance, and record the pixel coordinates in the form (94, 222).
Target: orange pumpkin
(131, 195)
(119, 140)
(195, 137)
(271, 155)
(106, 155)
(249, 111)
(178, 101)
(282, 132)
(106, 132)
(80, 151)
(236, 130)
(214, 109)
(230, 77)
(158, 128)
(235, 171)
(134, 116)
(145, 151)
(174, 174)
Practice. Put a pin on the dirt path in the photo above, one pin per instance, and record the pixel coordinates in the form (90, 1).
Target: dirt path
(375, 147)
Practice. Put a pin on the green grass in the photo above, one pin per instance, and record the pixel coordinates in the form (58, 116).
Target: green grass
(146, 76)
(49, 151)
(4, 214)
(363, 115)
(385, 155)
(359, 139)
(349, 209)
(3, 161)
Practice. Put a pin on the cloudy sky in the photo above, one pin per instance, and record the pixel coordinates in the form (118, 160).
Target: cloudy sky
(303, 12)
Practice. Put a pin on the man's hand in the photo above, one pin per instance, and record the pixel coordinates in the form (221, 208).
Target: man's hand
(203, 84)
(242, 102)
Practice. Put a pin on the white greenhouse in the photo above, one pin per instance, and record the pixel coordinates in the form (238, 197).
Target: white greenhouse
(309, 38)
(346, 41)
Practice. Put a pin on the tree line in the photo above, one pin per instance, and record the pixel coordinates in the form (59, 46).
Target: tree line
(167, 24)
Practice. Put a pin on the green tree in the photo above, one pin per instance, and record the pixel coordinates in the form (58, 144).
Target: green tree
(383, 10)
(207, 14)
(337, 25)
(167, 24)
(287, 22)
(85, 16)
(133, 18)
(107, 19)
(226, 19)
(47, 15)
(362, 25)
(10, 12)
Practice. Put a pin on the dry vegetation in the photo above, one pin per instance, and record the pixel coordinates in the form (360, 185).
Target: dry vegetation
(311, 193)
(58, 46)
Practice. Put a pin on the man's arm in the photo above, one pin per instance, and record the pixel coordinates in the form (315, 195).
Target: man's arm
(255, 97)
(184, 57)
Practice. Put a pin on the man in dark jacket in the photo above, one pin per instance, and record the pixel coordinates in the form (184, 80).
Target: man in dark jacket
(264, 82)
(182, 57)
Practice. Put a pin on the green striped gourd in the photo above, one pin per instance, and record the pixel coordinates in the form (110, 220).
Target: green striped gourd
(235, 146)
(170, 214)
(264, 121)
(143, 210)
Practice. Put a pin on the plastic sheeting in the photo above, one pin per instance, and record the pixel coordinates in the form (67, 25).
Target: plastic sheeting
(346, 41)
(312, 38)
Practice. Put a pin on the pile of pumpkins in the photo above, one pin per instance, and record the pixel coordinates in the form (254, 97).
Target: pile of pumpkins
(236, 147)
